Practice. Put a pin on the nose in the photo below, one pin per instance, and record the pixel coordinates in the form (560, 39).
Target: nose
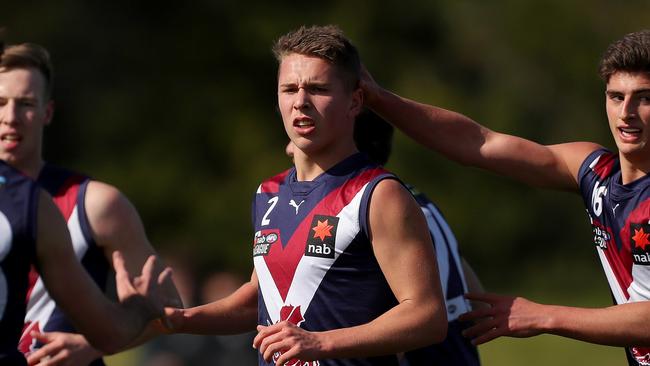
(8, 112)
(629, 109)
(302, 99)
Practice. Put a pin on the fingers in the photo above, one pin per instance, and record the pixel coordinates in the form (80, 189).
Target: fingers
(172, 320)
(288, 352)
(148, 270)
(121, 274)
(46, 351)
(487, 336)
(165, 275)
(480, 328)
(477, 314)
(262, 332)
(270, 340)
(484, 297)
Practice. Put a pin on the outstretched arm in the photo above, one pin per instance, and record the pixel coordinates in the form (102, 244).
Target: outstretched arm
(115, 225)
(107, 325)
(618, 325)
(236, 313)
(461, 139)
(410, 268)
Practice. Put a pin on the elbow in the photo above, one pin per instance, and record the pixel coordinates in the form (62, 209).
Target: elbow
(434, 328)
(439, 327)
(106, 345)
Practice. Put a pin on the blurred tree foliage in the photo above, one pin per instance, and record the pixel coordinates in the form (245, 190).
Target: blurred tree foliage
(174, 103)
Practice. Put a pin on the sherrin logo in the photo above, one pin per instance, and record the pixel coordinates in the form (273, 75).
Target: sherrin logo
(263, 240)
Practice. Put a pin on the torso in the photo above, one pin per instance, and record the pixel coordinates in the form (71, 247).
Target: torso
(68, 190)
(620, 218)
(312, 256)
(18, 216)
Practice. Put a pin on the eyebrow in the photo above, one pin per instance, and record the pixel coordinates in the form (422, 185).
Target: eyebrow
(636, 91)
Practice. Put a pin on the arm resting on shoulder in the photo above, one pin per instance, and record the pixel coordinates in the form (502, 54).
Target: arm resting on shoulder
(463, 140)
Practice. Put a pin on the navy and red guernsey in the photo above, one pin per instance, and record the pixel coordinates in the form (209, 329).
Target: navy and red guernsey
(620, 218)
(68, 190)
(312, 255)
(18, 215)
(455, 350)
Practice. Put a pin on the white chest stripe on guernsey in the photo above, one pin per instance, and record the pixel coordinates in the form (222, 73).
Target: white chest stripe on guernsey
(6, 238)
(617, 291)
(270, 293)
(78, 240)
(639, 288)
(310, 270)
(40, 305)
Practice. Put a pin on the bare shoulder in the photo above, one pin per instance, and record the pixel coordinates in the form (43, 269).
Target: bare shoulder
(111, 216)
(392, 207)
(573, 154)
(104, 200)
(103, 196)
(390, 190)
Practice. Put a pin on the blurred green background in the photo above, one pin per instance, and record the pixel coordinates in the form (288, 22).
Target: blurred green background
(174, 103)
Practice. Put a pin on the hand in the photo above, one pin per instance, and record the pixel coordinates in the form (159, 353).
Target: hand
(291, 342)
(171, 322)
(368, 85)
(64, 349)
(146, 287)
(504, 316)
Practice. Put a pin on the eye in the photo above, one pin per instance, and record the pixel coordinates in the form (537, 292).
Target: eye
(615, 97)
(288, 89)
(319, 87)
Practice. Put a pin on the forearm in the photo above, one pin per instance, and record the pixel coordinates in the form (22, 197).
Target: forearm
(407, 326)
(454, 135)
(234, 314)
(621, 325)
(123, 322)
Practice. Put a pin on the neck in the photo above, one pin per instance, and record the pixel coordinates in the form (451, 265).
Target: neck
(31, 169)
(633, 169)
(310, 166)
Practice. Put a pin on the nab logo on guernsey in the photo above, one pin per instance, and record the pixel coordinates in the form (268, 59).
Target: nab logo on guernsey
(640, 240)
(263, 240)
(322, 237)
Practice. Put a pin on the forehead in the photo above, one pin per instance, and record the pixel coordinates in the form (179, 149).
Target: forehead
(296, 67)
(628, 81)
(21, 82)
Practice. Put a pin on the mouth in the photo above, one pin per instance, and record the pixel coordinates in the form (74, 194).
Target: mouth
(629, 132)
(303, 122)
(10, 137)
(304, 126)
(10, 140)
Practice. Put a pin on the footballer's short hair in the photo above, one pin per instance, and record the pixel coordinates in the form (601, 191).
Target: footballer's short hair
(326, 42)
(25, 56)
(629, 54)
